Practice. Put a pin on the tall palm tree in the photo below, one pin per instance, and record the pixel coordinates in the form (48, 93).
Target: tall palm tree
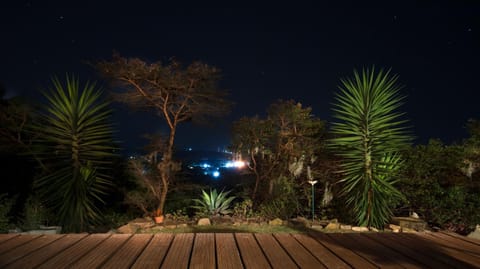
(369, 134)
(75, 144)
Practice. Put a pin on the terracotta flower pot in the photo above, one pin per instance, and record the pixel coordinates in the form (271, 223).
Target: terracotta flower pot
(159, 219)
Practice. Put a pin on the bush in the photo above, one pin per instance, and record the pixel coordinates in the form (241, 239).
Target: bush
(437, 190)
(6, 204)
(243, 209)
(35, 214)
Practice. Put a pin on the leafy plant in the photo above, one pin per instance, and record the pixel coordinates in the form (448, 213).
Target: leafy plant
(368, 136)
(243, 209)
(35, 214)
(437, 189)
(214, 203)
(75, 144)
(5, 207)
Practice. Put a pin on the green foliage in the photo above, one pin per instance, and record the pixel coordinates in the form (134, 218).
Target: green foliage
(437, 189)
(35, 214)
(214, 203)
(285, 202)
(368, 136)
(6, 204)
(75, 144)
(289, 137)
(243, 209)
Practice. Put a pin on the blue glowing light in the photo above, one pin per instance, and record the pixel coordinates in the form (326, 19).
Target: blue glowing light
(216, 174)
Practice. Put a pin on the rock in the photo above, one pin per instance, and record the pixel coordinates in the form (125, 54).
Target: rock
(394, 228)
(414, 215)
(275, 222)
(332, 226)
(204, 222)
(409, 222)
(360, 229)
(475, 234)
(345, 227)
(334, 221)
(142, 223)
(304, 221)
(127, 229)
(373, 229)
(182, 225)
(317, 227)
(408, 230)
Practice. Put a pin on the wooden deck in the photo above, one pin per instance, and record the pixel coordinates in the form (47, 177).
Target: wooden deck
(239, 250)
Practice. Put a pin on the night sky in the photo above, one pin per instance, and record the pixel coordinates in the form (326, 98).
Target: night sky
(266, 52)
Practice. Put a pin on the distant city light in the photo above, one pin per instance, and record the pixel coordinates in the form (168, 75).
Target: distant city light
(216, 174)
(236, 164)
(206, 165)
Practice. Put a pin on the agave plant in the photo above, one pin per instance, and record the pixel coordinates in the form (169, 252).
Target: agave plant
(75, 145)
(369, 134)
(214, 203)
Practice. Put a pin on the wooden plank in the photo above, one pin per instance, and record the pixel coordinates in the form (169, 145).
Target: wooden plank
(350, 257)
(464, 238)
(323, 254)
(203, 253)
(102, 252)
(365, 250)
(6, 237)
(228, 256)
(302, 257)
(384, 257)
(38, 257)
(429, 248)
(251, 254)
(453, 251)
(128, 253)
(464, 245)
(25, 249)
(392, 242)
(153, 255)
(19, 240)
(178, 256)
(275, 253)
(74, 252)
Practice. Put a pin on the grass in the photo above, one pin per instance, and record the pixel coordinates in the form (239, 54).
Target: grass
(227, 229)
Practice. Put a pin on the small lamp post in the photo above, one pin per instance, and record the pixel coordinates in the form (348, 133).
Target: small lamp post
(313, 182)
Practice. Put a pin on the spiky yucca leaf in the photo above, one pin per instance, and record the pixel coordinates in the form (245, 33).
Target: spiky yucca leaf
(214, 203)
(75, 143)
(368, 133)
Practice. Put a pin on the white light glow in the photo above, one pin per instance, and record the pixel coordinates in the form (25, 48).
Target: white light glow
(236, 164)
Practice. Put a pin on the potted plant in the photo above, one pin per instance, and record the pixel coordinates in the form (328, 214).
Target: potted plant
(158, 217)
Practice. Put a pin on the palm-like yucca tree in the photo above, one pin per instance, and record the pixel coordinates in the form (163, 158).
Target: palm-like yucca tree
(75, 145)
(368, 136)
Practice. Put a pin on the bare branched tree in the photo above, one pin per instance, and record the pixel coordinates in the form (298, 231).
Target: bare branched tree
(175, 93)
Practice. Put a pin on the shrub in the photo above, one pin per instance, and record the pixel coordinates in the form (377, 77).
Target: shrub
(243, 209)
(6, 204)
(214, 203)
(35, 214)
